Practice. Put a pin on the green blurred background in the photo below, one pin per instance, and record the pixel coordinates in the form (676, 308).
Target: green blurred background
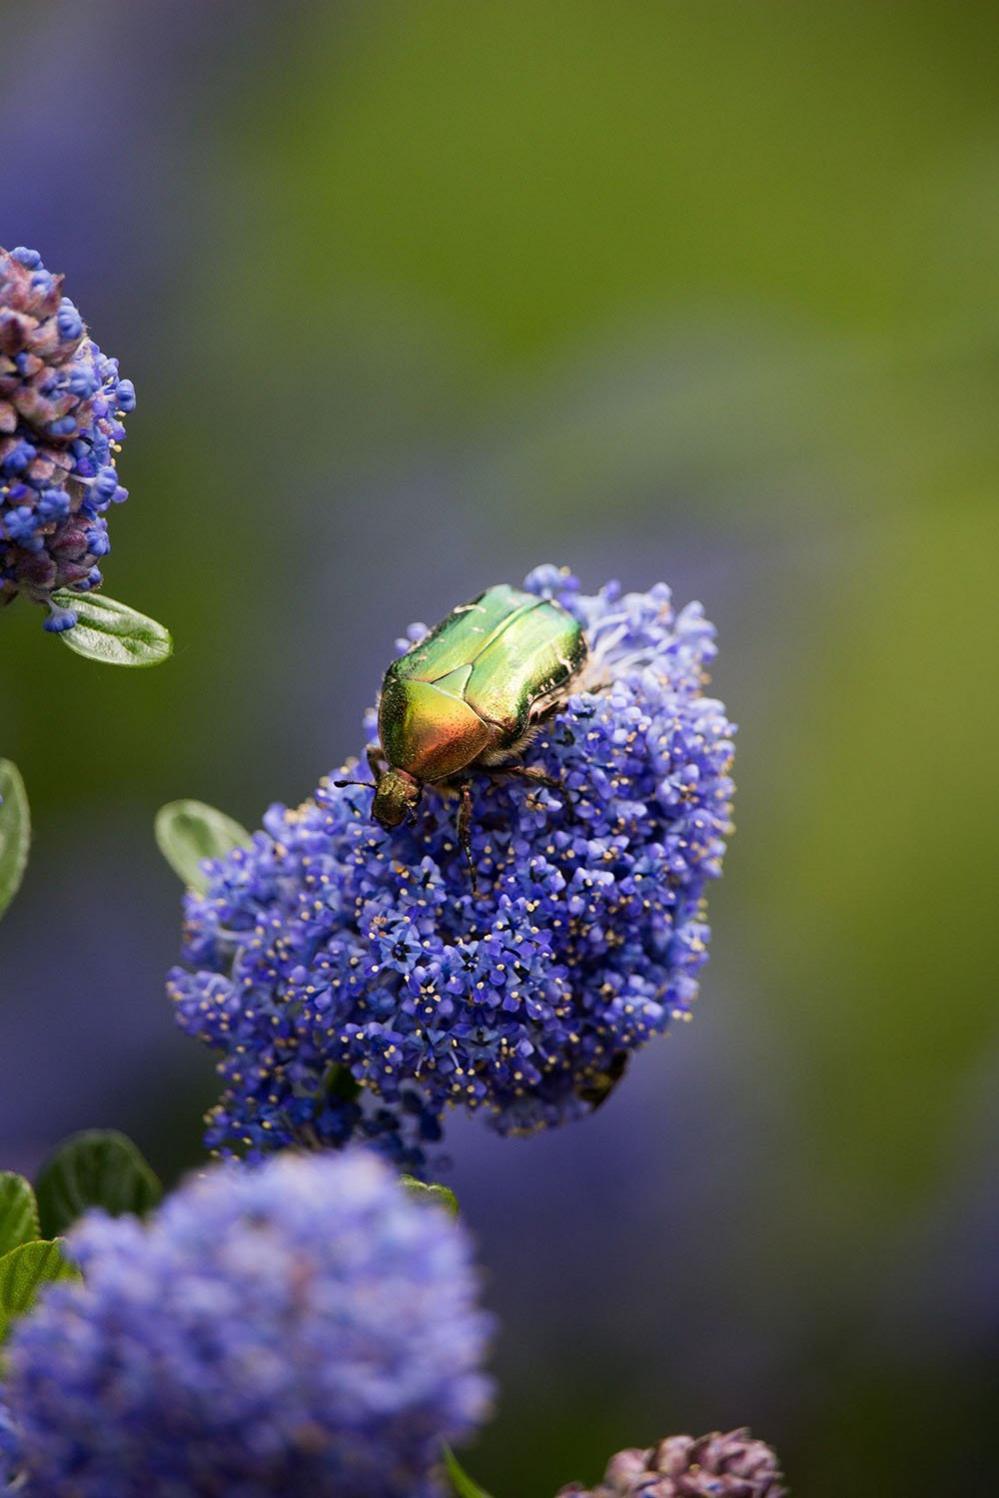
(416, 295)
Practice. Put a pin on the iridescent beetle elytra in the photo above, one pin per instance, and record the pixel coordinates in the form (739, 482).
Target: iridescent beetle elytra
(469, 696)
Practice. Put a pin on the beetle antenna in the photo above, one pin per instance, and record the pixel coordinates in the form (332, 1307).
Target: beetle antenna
(369, 783)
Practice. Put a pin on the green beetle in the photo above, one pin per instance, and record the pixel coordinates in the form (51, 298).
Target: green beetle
(470, 696)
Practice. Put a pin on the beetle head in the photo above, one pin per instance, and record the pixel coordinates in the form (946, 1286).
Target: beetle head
(397, 795)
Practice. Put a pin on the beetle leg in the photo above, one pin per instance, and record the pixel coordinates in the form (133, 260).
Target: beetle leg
(376, 760)
(598, 1089)
(538, 777)
(464, 830)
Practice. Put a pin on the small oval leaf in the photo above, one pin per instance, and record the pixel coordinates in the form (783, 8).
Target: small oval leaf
(338, 1083)
(188, 832)
(23, 1273)
(112, 632)
(443, 1196)
(461, 1484)
(99, 1168)
(15, 831)
(18, 1212)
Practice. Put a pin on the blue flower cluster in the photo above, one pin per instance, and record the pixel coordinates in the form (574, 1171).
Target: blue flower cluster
(300, 1327)
(61, 408)
(10, 1449)
(330, 944)
(714, 1466)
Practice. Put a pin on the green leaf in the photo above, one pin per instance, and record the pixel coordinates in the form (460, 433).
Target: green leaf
(24, 1271)
(443, 1196)
(99, 1168)
(340, 1084)
(18, 1212)
(461, 1484)
(189, 831)
(15, 831)
(111, 632)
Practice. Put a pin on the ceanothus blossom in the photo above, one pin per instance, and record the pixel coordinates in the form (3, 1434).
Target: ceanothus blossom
(331, 947)
(299, 1327)
(713, 1466)
(61, 408)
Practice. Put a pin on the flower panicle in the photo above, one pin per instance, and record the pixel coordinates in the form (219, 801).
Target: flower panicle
(733, 1465)
(301, 1326)
(62, 409)
(331, 944)
(10, 1449)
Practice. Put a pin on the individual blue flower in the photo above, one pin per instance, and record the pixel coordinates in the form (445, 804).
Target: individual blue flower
(331, 944)
(61, 408)
(299, 1328)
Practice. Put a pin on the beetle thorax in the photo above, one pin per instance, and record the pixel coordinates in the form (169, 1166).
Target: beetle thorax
(428, 730)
